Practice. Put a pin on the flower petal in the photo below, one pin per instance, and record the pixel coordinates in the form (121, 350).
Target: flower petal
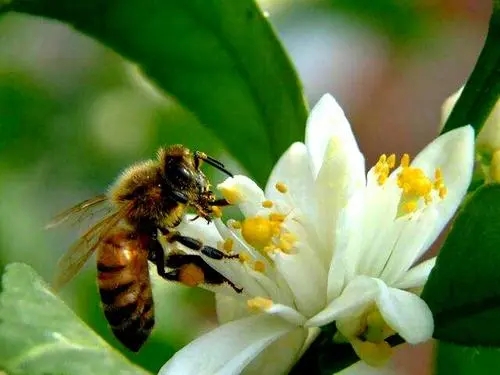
(229, 348)
(280, 356)
(293, 168)
(410, 244)
(360, 292)
(453, 152)
(340, 177)
(306, 278)
(244, 192)
(229, 308)
(417, 276)
(327, 120)
(286, 313)
(407, 314)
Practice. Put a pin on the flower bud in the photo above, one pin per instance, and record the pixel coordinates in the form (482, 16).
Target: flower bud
(487, 141)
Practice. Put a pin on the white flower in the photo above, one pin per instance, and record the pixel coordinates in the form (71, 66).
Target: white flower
(327, 242)
(487, 141)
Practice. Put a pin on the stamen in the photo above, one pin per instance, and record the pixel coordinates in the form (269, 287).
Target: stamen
(235, 224)
(269, 248)
(191, 275)
(383, 167)
(277, 217)
(232, 195)
(281, 187)
(405, 161)
(217, 211)
(416, 186)
(267, 204)
(257, 231)
(259, 304)
(228, 244)
(285, 245)
(244, 257)
(259, 266)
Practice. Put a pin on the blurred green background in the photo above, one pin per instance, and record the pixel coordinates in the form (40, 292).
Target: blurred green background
(73, 114)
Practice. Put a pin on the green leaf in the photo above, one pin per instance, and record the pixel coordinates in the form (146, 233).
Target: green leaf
(462, 290)
(219, 58)
(482, 89)
(463, 360)
(40, 335)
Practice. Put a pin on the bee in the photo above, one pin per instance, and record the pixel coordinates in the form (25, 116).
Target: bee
(149, 199)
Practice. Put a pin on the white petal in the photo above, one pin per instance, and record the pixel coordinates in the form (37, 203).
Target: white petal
(417, 276)
(325, 121)
(229, 348)
(306, 278)
(199, 229)
(358, 294)
(280, 356)
(293, 168)
(453, 152)
(377, 225)
(407, 314)
(340, 177)
(229, 308)
(249, 196)
(286, 313)
(410, 244)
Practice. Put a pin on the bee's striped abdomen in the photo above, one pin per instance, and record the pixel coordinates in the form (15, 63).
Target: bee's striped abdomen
(125, 288)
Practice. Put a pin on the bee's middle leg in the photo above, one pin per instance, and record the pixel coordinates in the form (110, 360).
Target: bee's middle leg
(197, 245)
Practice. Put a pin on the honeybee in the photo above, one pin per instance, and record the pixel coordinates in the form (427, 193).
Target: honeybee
(148, 199)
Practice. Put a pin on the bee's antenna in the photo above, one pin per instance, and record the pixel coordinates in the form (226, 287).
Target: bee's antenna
(213, 162)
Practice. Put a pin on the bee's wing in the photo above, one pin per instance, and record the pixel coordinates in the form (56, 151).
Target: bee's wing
(78, 212)
(73, 260)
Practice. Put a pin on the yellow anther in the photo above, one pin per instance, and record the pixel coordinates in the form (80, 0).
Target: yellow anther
(391, 161)
(236, 224)
(290, 237)
(405, 161)
(257, 231)
(410, 206)
(267, 204)
(443, 191)
(259, 266)
(438, 175)
(374, 354)
(244, 257)
(285, 245)
(217, 211)
(228, 244)
(269, 248)
(277, 217)
(383, 167)
(232, 195)
(281, 187)
(259, 303)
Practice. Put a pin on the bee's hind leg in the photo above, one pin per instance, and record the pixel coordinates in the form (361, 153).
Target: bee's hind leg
(192, 270)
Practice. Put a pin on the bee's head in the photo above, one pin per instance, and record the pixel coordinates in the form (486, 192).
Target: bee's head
(180, 170)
